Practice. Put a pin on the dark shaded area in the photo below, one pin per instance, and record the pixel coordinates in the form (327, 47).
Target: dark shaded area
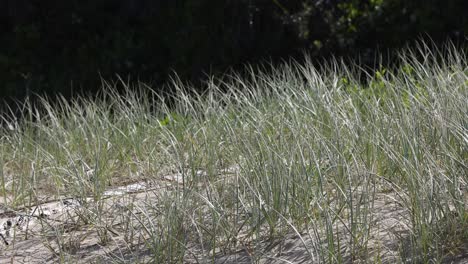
(53, 46)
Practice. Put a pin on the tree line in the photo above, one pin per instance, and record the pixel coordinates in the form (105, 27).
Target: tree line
(53, 46)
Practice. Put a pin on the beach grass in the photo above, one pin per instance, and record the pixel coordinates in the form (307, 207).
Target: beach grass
(311, 153)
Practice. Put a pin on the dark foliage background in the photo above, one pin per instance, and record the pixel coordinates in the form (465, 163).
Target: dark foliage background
(56, 46)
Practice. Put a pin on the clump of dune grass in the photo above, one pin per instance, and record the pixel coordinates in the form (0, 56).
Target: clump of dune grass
(296, 150)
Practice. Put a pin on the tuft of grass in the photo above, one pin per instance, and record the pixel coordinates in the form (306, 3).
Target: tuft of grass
(291, 150)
